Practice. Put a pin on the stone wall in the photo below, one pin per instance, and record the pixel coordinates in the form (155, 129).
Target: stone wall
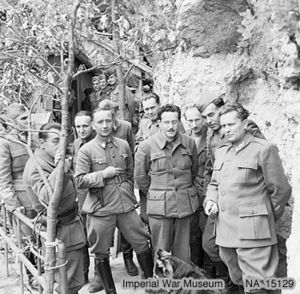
(247, 51)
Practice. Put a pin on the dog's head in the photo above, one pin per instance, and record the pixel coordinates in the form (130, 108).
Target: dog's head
(163, 267)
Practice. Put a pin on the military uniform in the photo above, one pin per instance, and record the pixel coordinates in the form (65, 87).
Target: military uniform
(165, 172)
(97, 97)
(122, 129)
(110, 202)
(251, 191)
(69, 227)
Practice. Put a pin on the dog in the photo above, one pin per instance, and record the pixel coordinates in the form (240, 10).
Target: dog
(168, 266)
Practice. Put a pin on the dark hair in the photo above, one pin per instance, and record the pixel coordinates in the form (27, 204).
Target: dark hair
(84, 113)
(169, 108)
(152, 96)
(242, 112)
(190, 106)
(47, 127)
(219, 102)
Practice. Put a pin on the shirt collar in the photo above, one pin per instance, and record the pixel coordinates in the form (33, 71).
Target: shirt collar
(116, 125)
(103, 143)
(162, 140)
(246, 141)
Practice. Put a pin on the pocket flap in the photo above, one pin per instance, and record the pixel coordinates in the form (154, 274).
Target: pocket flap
(157, 155)
(218, 165)
(186, 152)
(253, 211)
(99, 160)
(19, 152)
(156, 195)
(247, 164)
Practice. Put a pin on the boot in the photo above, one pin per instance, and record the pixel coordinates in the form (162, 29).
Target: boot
(145, 260)
(96, 284)
(230, 287)
(197, 254)
(241, 289)
(33, 283)
(128, 257)
(106, 276)
(210, 269)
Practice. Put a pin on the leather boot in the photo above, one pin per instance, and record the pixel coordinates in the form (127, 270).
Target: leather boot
(96, 284)
(145, 260)
(106, 276)
(222, 273)
(197, 254)
(241, 289)
(210, 269)
(128, 257)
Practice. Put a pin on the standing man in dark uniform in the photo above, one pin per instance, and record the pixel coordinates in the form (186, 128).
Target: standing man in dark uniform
(165, 170)
(69, 227)
(105, 166)
(247, 193)
(13, 157)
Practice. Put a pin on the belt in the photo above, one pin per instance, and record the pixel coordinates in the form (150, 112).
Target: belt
(68, 216)
(116, 180)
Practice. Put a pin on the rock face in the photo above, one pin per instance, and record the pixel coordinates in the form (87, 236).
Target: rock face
(247, 51)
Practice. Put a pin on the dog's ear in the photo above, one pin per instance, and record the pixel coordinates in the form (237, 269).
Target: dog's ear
(162, 254)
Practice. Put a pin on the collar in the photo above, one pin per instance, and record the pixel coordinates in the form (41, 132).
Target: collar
(116, 125)
(162, 140)
(246, 141)
(103, 143)
(42, 153)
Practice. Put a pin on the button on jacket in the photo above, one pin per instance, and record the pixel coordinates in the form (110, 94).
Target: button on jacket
(166, 172)
(106, 196)
(251, 189)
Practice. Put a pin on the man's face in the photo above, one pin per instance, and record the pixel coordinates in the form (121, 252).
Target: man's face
(194, 119)
(51, 144)
(83, 125)
(233, 127)
(211, 116)
(103, 123)
(112, 79)
(169, 124)
(96, 84)
(22, 119)
(150, 108)
(102, 83)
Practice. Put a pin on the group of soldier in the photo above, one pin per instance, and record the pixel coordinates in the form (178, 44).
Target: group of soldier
(210, 195)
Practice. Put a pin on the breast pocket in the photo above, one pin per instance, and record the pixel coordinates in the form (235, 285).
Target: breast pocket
(253, 223)
(247, 172)
(19, 159)
(158, 162)
(99, 163)
(186, 159)
(217, 169)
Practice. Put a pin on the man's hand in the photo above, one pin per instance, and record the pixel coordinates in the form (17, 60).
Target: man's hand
(211, 208)
(111, 172)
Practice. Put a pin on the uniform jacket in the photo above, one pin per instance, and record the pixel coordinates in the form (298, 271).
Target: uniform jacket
(70, 231)
(248, 185)
(97, 97)
(148, 128)
(13, 157)
(122, 129)
(106, 196)
(166, 175)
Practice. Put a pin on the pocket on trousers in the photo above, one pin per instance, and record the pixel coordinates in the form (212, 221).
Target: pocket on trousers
(253, 223)
(156, 203)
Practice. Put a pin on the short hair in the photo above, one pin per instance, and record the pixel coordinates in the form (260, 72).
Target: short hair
(47, 127)
(84, 113)
(111, 71)
(219, 102)
(190, 106)
(169, 108)
(152, 96)
(242, 112)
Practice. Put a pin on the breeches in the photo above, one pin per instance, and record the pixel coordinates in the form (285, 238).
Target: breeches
(101, 228)
(247, 263)
(171, 234)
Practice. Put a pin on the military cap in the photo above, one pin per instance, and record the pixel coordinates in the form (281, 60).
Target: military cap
(107, 105)
(205, 99)
(15, 110)
(111, 71)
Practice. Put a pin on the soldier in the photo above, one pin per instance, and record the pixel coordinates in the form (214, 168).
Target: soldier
(198, 130)
(165, 169)
(247, 193)
(83, 125)
(122, 129)
(105, 166)
(12, 190)
(69, 227)
(100, 92)
(131, 106)
(210, 105)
